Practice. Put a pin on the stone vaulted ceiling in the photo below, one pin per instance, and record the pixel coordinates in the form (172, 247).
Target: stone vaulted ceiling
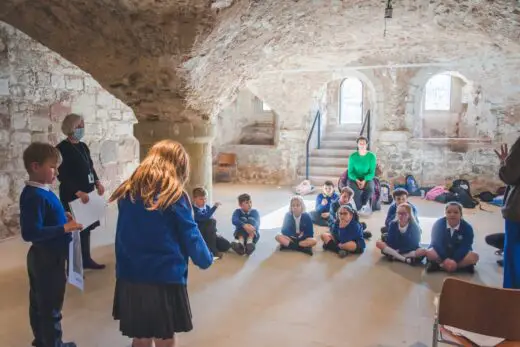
(155, 54)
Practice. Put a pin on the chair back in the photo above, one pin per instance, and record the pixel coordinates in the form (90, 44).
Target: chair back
(480, 309)
(227, 159)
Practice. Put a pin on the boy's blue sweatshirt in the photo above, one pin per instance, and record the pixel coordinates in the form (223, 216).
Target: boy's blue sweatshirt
(306, 226)
(392, 211)
(403, 242)
(352, 232)
(325, 208)
(453, 247)
(154, 246)
(42, 218)
(202, 214)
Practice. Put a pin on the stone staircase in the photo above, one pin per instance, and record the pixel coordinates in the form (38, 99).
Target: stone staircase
(331, 160)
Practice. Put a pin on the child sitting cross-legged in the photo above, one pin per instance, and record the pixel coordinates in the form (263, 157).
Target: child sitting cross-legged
(400, 196)
(346, 234)
(345, 198)
(403, 238)
(452, 241)
(297, 229)
(320, 216)
(247, 223)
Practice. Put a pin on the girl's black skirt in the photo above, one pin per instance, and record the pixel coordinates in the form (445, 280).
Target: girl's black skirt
(147, 310)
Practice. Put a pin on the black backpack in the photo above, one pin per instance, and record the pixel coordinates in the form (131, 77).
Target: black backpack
(386, 193)
(462, 183)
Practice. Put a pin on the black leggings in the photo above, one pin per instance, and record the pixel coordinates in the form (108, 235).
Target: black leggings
(496, 240)
(215, 242)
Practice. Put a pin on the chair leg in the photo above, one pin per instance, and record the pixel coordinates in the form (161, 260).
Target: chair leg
(435, 341)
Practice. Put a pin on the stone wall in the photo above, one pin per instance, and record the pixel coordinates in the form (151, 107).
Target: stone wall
(37, 89)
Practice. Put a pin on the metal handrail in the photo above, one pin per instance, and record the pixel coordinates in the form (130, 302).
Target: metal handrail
(366, 124)
(317, 119)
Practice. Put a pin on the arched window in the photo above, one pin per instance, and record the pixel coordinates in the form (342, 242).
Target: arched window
(351, 101)
(437, 95)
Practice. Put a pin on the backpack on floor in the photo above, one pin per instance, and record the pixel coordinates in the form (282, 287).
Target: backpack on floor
(462, 183)
(376, 197)
(386, 193)
(343, 180)
(486, 196)
(464, 198)
(433, 193)
(446, 197)
(411, 186)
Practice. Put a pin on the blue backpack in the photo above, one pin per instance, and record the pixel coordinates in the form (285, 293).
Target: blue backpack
(411, 186)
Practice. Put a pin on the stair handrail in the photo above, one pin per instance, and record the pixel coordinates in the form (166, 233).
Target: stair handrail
(317, 119)
(366, 124)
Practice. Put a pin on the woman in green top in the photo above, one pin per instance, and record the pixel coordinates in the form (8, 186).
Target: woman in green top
(361, 172)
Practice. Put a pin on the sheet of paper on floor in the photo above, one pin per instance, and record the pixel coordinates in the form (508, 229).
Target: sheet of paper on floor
(478, 339)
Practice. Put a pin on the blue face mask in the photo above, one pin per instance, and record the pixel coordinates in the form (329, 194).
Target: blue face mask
(79, 133)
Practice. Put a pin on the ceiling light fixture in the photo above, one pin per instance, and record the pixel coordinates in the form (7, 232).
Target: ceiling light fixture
(388, 13)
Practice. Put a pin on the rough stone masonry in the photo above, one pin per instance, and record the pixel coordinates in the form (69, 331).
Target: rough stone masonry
(37, 89)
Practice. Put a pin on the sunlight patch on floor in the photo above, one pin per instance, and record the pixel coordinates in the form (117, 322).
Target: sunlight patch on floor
(274, 219)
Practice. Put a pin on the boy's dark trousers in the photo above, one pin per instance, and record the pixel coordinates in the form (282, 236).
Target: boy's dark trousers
(216, 243)
(47, 281)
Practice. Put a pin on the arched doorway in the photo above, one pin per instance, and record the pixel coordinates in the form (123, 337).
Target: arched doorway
(351, 101)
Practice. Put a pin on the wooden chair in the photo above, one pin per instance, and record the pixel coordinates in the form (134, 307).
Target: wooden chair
(478, 309)
(226, 167)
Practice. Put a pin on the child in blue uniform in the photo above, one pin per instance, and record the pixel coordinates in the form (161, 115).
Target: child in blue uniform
(320, 216)
(346, 235)
(400, 196)
(345, 198)
(44, 223)
(247, 223)
(451, 243)
(297, 229)
(155, 236)
(404, 236)
(203, 215)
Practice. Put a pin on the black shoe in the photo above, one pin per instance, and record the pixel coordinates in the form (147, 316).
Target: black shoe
(238, 247)
(384, 237)
(432, 266)
(499, 252)
(306, 250)
(469, 269)
(92, 265)
(412, 261)
(500, 262)
(284, 248)
(367, 235)
(250, 248)
(343, 254)
(363, 225)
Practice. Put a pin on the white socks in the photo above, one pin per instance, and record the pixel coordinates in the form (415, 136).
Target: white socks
(411, 254)
(393, 253)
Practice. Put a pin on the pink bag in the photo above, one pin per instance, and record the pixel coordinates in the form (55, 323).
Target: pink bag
(435, 192)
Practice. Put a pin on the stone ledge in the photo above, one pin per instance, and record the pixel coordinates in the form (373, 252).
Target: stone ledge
(149, 132)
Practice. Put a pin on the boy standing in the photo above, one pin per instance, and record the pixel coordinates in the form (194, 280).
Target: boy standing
(247, 223)
(203, 215)
(44, 223)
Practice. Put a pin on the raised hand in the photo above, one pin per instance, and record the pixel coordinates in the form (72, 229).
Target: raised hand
(504, 151)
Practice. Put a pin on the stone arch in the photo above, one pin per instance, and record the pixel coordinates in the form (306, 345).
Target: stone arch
(414, 119)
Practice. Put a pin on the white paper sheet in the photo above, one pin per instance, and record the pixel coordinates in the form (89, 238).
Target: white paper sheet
(478, 339)
(76, 262)
(91, 212)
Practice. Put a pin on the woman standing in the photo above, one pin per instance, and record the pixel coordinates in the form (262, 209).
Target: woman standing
(77, 177)
(361, 172)
(510, 174)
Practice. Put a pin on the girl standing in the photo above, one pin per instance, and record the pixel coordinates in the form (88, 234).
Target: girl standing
(403, 238)
(155, 236)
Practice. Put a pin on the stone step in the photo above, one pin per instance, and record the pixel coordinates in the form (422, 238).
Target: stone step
(331, 171)
(347, 145)
(340, 136)
(318, 181)
(345, 128)
(329, 161)
(330, 152)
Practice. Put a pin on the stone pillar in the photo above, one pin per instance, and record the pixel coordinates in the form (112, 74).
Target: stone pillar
(196, 139)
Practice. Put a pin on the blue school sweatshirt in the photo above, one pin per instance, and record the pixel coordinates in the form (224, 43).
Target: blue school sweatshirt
(202, 214)
(352, 232)
(154, 246)
(453, 247)
(42, 218)
(325, 208)
(403, 242)
(306, 226)
(239, 218)
(392, 211)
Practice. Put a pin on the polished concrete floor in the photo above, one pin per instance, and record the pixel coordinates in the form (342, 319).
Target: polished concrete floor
(270, 298)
